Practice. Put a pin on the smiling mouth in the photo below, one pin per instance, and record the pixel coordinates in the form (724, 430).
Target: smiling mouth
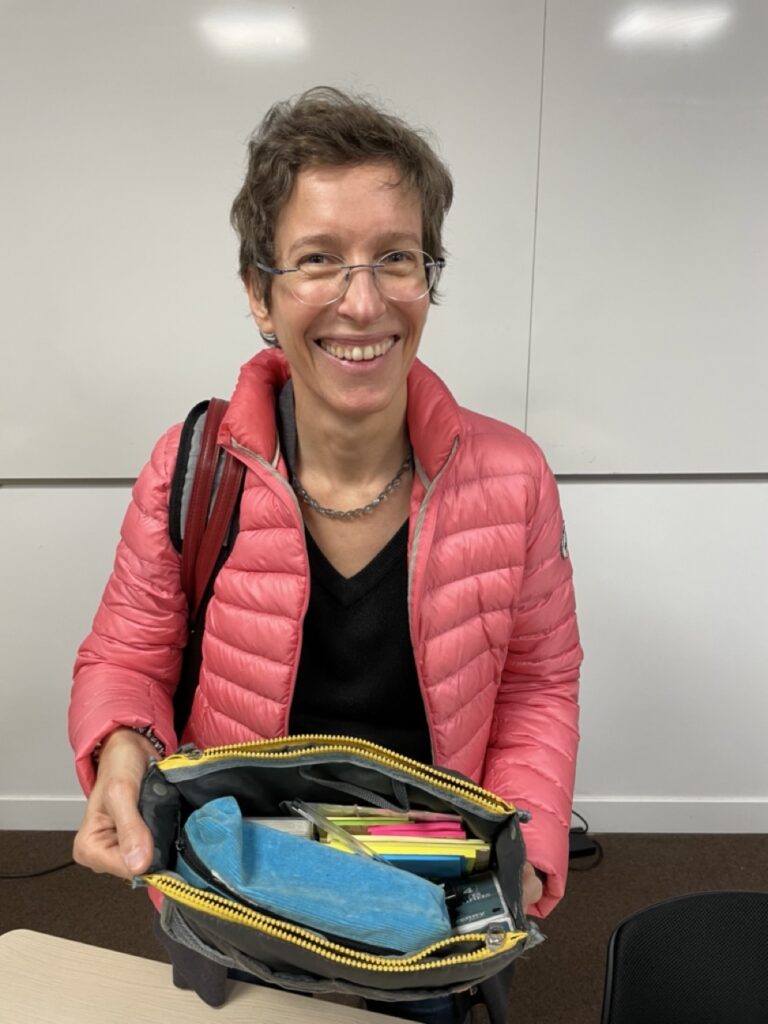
(358, 353)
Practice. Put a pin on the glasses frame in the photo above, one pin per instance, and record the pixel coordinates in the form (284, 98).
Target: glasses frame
(437, 265)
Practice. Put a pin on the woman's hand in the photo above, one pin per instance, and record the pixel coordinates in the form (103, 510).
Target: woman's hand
(113, 837)
(532, 887)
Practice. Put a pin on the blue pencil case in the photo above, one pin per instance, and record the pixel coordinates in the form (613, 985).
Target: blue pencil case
(346, 895)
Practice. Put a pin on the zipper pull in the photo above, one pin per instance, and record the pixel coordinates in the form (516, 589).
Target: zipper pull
(190, 750)
(494, 937)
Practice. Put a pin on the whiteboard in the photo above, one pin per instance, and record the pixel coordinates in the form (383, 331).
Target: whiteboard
(648, 350)
(122, 145)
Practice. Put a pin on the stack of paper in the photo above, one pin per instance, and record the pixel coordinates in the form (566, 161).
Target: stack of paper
(437, 847)
(296, 826)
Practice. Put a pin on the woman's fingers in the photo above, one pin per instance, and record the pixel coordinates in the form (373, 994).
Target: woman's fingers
(532, 887)
(113, 837)
(96, 845)
(134, 839)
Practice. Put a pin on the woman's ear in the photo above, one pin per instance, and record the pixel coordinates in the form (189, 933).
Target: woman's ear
(257, 303)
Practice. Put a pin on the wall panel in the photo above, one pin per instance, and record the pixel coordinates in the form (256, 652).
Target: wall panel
(122, 147)
(648, 342)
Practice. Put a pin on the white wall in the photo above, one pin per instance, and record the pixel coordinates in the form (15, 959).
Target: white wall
(610, 218)
(122, 148)
(648, 349)
(671, 600)
(56, 548)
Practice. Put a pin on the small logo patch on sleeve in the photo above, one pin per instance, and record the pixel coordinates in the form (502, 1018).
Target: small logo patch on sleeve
(564, 544)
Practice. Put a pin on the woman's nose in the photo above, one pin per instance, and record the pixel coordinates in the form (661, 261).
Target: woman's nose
(362, 300)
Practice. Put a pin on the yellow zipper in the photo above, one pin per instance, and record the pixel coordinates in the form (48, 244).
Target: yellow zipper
(275, 749)
(221, 907)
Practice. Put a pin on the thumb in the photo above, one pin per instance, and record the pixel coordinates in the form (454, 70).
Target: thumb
(133, 837)
(136, 851)
(136, 847)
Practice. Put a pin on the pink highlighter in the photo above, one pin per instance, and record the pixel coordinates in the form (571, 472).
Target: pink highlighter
(424, 829)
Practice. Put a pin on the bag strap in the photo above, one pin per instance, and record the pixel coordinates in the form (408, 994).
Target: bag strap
(200, 500)
(219, 524)
(205, 534)
(202, 530)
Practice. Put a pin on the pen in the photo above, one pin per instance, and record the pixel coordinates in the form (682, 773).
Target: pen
(320, 821)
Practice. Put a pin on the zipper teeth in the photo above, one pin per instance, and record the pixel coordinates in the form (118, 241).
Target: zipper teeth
(219, 906)
(429, 490)
(422, 515)
(246, 451)
(259, 750)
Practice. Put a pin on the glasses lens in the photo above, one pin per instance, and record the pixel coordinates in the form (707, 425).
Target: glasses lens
(406, 275)
(320, 279)
(403, 276)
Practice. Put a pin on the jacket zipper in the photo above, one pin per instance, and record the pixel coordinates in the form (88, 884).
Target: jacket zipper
(271, 468)
(421, 516)
(411, 564)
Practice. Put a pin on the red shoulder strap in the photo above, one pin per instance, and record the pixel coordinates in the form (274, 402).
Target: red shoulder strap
(218, 524)
(204, 535)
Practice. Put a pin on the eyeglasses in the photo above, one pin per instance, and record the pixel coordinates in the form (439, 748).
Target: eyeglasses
(319, 278)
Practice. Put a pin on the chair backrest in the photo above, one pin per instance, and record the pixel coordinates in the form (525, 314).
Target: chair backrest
(695, 959)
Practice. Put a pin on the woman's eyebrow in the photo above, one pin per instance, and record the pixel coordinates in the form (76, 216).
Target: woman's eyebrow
(397, 238)
(390, 239)
(314, 240)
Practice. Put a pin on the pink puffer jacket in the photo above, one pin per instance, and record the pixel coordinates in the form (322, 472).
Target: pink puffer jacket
(491, 606)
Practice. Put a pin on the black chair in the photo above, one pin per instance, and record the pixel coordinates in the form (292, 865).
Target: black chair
(695, 959)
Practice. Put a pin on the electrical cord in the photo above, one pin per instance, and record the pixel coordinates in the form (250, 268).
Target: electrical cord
(584, 823)
(589, 847)
(38, 874)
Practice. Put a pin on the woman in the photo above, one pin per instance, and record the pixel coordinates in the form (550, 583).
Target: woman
(400, 571)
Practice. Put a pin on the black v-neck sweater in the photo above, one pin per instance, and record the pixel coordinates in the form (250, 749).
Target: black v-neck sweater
(357, 675)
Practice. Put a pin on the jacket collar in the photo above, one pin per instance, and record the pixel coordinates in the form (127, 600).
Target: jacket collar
(434, 424)
(250, 418)
(433, 413)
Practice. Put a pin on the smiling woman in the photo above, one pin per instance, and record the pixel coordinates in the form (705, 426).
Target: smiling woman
(398, 574)
(360, 212)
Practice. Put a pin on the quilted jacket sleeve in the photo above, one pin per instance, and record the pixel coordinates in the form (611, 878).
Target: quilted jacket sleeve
(128, 666)
(532, 752)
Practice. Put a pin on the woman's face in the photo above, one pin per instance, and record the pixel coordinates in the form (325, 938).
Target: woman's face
(359, 214)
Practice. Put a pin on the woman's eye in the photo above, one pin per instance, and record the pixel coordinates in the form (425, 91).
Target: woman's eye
(399, 264)
(318, 259)
(401, 256)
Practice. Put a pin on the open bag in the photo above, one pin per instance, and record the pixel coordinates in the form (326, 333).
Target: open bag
(316, 917)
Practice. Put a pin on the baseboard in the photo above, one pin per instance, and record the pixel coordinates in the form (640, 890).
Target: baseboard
(604, 814)
(54, 814)
(676, 815)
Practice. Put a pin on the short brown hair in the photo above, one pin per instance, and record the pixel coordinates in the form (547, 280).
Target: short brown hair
(327, 127)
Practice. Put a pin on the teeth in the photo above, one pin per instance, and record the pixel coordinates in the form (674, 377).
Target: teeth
(356, 353)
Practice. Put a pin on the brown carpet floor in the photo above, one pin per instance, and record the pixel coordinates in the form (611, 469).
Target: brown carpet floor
(559, 982)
